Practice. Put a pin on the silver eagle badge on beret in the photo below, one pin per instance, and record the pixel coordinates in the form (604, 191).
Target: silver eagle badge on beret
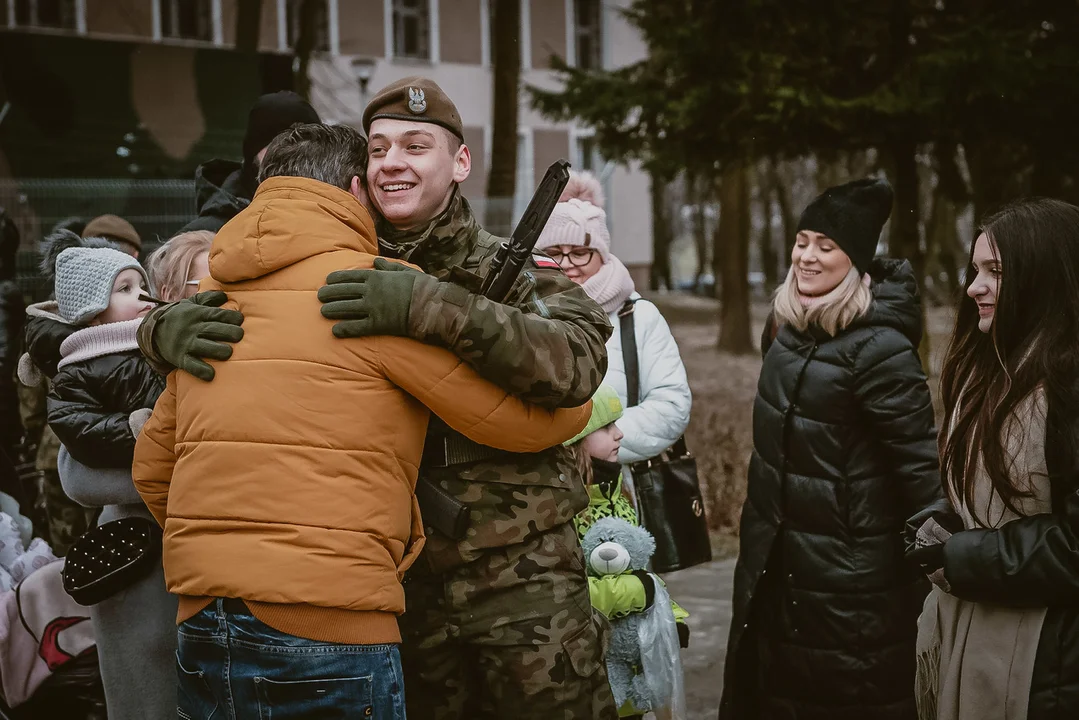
(417, 102)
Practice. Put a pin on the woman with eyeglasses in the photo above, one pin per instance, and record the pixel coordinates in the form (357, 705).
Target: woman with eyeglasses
(176, 267)
(577, 238)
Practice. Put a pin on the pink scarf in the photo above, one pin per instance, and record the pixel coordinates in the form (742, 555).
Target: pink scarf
(611, 286)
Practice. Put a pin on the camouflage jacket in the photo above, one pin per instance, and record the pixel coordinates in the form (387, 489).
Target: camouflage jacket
(546, 344)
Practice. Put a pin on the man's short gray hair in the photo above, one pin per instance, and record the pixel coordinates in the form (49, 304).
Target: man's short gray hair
(333, 154)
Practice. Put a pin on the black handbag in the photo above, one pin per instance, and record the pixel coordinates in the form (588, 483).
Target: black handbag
(110, 558)
(668, 492)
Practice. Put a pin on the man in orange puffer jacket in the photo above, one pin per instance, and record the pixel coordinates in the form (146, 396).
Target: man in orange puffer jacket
(286, 487)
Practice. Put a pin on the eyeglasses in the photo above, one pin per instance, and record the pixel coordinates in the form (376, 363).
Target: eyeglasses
(578, 257)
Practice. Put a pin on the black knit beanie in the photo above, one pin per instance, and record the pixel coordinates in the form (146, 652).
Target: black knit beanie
(271, 115)
(853, 215)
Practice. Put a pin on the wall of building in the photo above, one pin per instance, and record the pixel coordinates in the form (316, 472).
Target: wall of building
(362, 31)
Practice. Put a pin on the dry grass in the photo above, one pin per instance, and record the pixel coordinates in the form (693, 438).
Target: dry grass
(720, 430)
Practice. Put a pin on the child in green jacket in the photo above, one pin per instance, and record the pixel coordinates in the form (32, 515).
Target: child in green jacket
(596, 450)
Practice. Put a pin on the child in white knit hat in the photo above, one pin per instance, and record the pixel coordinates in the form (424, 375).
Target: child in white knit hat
(101, 394)
(102, 377)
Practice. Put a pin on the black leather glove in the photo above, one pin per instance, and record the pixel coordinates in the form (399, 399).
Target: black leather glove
(370, 302)
(930, 557)
(197, 329)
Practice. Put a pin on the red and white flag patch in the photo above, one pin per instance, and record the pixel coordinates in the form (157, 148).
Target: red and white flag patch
(545, 261)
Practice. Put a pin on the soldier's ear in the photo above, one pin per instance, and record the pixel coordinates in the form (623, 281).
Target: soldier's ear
(462, 164)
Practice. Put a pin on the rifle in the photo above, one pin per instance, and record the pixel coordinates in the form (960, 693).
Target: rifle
(513, 254)
(441, 510)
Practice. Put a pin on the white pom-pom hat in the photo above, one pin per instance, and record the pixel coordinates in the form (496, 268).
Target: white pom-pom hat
(578, 218)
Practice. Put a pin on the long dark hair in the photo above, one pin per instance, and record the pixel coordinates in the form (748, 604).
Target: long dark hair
(1034, 342)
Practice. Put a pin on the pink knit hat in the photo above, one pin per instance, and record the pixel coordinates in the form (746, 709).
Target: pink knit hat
(578, 218)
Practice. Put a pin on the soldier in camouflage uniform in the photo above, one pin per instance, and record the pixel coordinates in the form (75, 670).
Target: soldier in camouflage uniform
(498, 621)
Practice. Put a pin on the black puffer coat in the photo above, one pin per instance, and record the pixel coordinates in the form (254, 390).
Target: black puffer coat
(825, 607)
(91, 402)
(1034, 562)
(222, 189)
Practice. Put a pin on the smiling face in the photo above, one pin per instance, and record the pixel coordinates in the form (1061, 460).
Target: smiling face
(412, 170)
(124, 304)
(985, 264)
(819, 264)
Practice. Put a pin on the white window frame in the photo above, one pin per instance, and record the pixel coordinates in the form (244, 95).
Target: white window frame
(575, 136)
(333, 26)
(526, 35)
(80, 18)
(571, 34)
(217, 31)
(525, 161)
(485, 33)
(434, 40)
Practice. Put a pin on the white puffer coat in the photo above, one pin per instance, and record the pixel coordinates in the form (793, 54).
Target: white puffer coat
(662, 414)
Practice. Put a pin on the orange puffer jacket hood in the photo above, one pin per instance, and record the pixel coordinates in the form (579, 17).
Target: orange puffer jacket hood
(290, 478)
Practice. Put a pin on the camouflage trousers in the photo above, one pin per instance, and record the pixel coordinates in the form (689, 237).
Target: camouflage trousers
(511, 635)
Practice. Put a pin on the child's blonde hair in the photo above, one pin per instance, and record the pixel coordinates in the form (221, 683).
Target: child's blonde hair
(170, 264)
(831, 312)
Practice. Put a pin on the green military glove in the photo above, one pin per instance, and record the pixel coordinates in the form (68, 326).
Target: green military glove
(370, 302)
(192, 330)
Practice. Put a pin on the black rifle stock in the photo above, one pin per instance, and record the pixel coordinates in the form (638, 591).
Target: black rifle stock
(441, 510)
(513, 255)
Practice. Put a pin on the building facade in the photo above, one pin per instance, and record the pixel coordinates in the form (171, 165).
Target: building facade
(362, 45)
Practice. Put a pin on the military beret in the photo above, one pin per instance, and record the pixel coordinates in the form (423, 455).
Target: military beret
(417, 99)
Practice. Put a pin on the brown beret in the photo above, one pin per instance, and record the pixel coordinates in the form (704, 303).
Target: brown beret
(417, 99)
(112, 226)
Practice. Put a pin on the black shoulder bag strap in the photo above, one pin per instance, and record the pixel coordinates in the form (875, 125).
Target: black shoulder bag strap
(629, 353)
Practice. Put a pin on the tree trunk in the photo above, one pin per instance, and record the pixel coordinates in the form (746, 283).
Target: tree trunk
(305, 45)
(248, 25)
(697, 190)
(904, 241)
(783, 198)
(661, 237)
(732, 245)
(506, 84)
(767, 242)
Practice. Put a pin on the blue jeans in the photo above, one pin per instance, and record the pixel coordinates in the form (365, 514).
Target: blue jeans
(231, 666)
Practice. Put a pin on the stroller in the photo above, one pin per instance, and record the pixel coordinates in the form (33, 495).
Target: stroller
(48, 656)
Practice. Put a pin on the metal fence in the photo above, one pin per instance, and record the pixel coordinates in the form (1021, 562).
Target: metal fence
(156, 208)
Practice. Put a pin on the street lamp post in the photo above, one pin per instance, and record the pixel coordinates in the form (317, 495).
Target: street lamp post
(364, 69)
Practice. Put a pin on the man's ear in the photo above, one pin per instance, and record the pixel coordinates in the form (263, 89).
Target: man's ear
(462, 164)
(358, 189)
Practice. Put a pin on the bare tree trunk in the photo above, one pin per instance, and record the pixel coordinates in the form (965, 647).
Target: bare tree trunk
(506, 87)
(697, 191)
(783, 198)
(766, 241)
(732, 245)
(305, 45)
(661, 237)
(248, 25)
(904, 241)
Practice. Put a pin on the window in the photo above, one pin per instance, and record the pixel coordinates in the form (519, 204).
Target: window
(187, 19)
(587, 155)
(586, 29)
(526, 178)
(59, 14)
(412, 29)
(320, 18)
